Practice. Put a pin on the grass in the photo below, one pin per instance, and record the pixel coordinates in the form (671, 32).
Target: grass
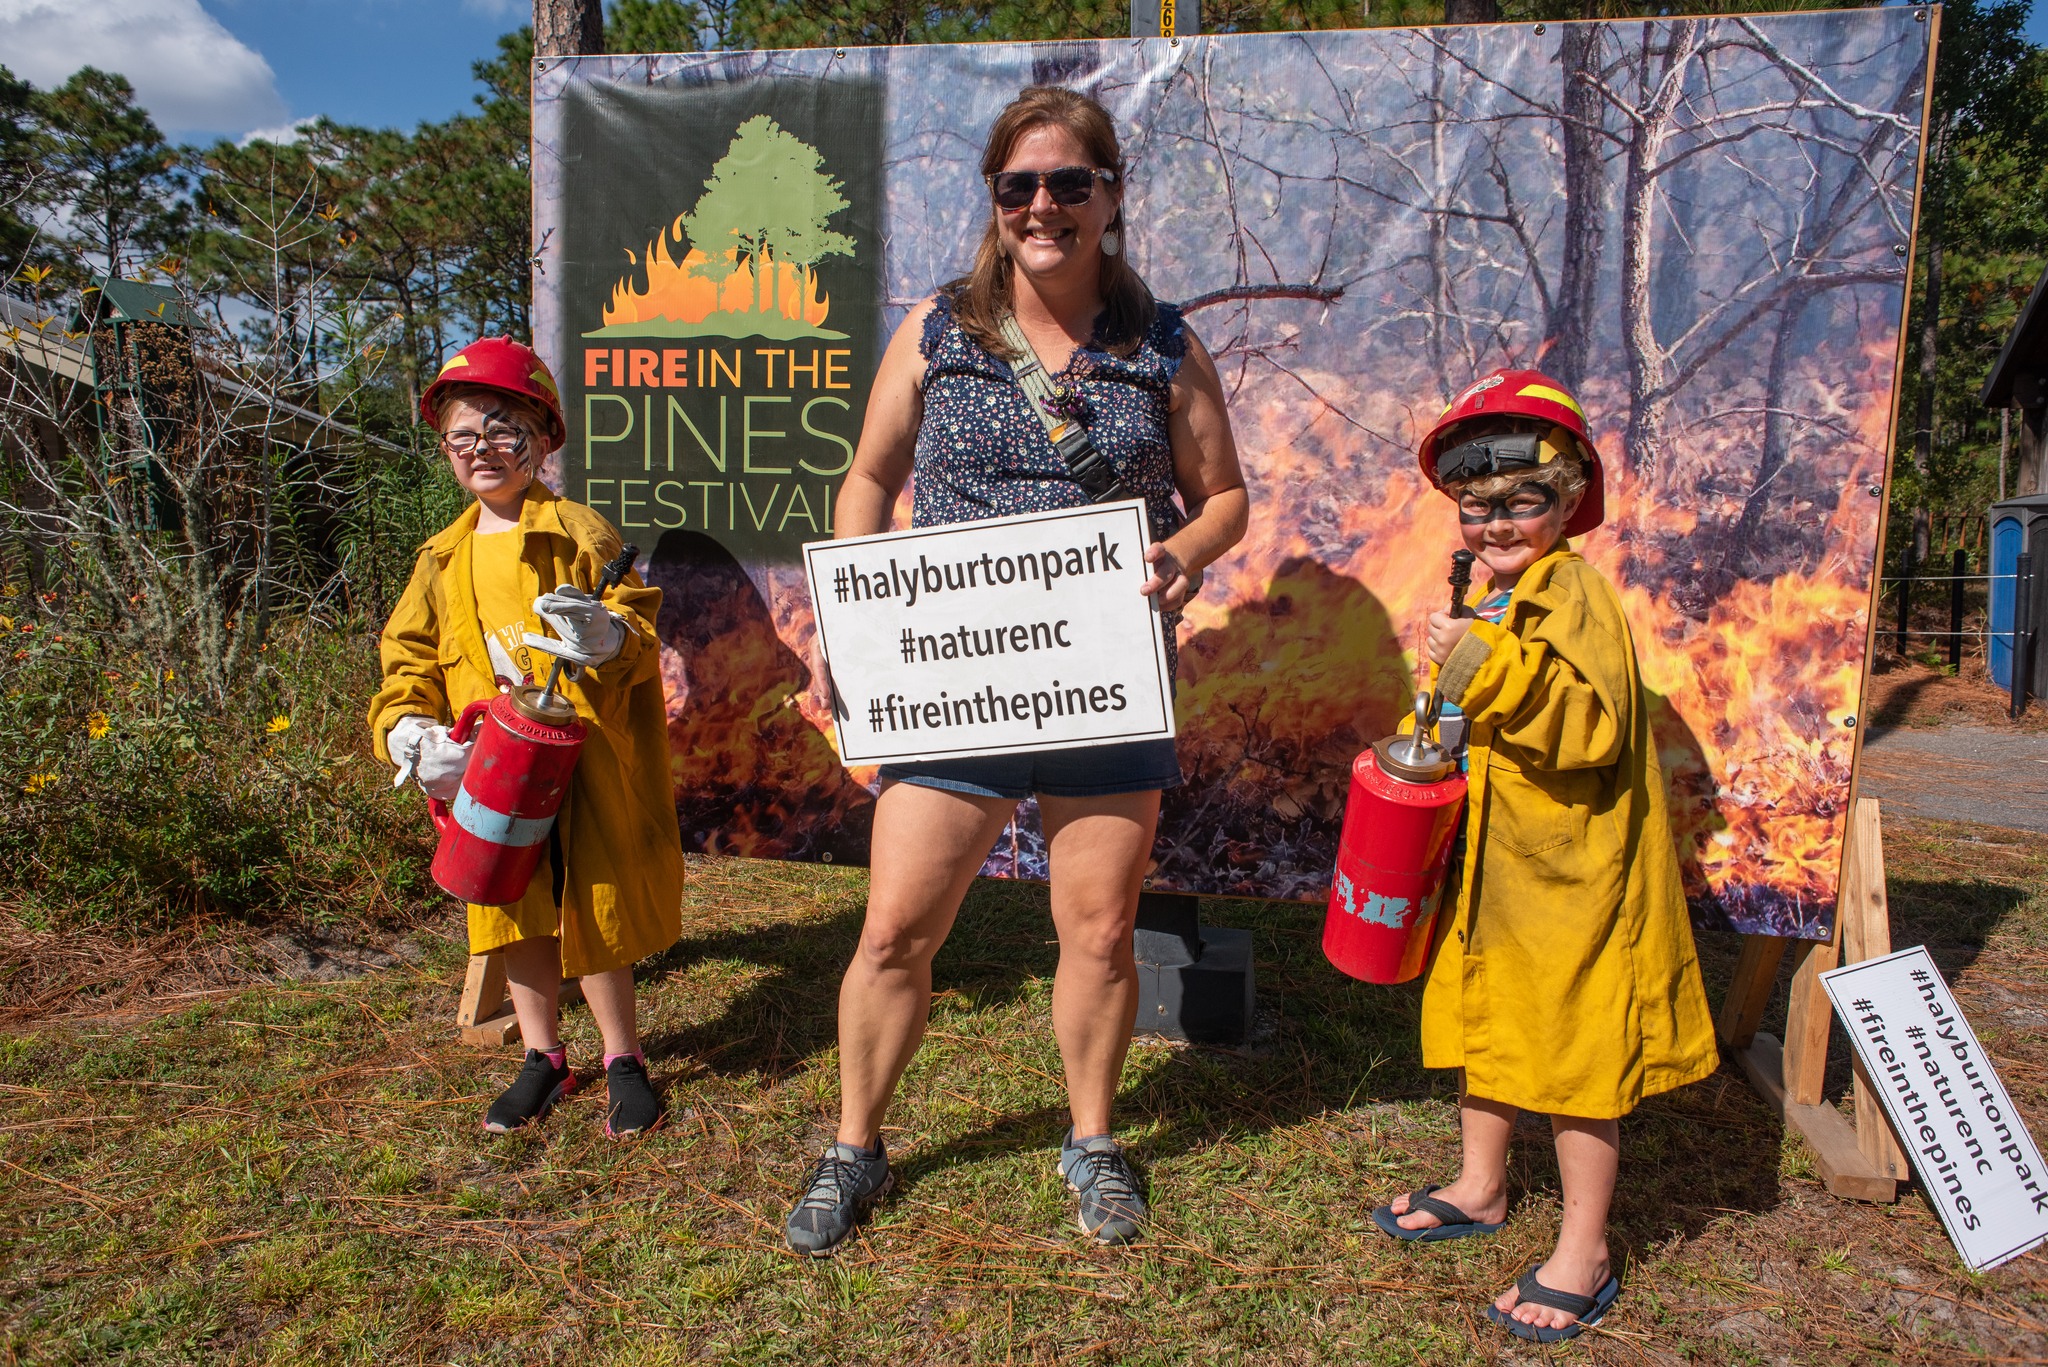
(293, 1172)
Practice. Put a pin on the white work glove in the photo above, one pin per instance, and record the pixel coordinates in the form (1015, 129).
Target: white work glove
(423, 748)
(586, 631)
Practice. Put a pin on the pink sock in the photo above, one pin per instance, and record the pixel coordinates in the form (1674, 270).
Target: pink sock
(635, 1053)
(559, 1055)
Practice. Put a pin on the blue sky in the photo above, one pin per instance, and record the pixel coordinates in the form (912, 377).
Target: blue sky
(377, 62)
(229, 68)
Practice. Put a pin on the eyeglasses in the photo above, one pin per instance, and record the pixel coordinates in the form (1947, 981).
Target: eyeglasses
(1070, 186)
(1490, 456)
(504, 439)
(1524, 503)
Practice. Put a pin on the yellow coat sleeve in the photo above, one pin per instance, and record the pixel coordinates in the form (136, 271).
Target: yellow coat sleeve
(1560, 698)
(410, 652)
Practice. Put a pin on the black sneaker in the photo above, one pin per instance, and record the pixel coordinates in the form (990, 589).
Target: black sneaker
(540, 1085)
(631, 1107)
(840, 1189)
(1112, 1211)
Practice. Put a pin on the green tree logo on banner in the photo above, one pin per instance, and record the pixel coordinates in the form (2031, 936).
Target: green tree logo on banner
(755, 238)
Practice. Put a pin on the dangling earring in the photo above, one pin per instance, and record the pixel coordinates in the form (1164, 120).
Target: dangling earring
(1112, 242)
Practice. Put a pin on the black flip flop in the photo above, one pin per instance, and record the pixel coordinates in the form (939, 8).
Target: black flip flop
(1589, 1309)
(1456, 1223)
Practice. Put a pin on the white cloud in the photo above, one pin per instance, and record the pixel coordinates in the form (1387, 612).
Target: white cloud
(494, 9)
(190, 73)
(284, 135)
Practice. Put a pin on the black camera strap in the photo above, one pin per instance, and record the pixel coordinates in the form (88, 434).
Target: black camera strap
(1085, 462)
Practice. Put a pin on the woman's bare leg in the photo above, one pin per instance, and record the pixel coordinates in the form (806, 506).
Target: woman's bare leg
(928, 844)
(1099, 848)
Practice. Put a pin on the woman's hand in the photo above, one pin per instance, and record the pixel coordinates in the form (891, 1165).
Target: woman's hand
(1445, 631)
(1171, 584)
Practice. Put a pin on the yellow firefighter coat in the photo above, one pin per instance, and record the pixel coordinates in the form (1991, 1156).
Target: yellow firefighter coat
(623, 880)
(1565, 979)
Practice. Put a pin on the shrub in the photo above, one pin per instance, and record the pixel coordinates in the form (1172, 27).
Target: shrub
(130, 796)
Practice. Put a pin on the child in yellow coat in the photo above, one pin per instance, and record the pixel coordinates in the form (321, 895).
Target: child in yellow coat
(1564, 978)
(470, 625)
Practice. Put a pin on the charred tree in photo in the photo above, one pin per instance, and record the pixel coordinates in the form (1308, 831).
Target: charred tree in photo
(1652, 124)
(1583, 134)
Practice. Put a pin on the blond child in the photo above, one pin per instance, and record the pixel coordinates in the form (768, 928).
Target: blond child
(470, 625)
(1564, 978)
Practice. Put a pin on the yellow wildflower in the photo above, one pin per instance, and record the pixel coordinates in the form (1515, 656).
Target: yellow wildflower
(97, 725)
(38, 782)
(6, 624)
(278, 724)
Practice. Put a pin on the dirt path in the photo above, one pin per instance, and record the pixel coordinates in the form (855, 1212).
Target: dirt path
(1960, 772)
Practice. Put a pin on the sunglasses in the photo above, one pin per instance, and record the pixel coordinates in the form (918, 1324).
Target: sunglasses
(1490, 456)
(1525, 504)
(1069, 186)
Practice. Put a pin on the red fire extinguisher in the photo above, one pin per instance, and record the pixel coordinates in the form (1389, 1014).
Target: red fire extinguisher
(1400, 823)
(495, 833)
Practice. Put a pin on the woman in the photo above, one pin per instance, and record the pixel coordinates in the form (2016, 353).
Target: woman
(946, 405)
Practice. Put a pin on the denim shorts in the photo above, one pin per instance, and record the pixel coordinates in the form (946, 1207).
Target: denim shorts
(1137, 766)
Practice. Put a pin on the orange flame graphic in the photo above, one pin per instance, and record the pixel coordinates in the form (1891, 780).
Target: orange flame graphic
(678, 293)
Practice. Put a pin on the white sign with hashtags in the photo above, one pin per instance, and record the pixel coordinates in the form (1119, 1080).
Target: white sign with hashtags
(1001, 637)
(1977, 1163)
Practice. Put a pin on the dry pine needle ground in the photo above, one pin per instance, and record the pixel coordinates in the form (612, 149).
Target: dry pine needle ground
(235, 1170)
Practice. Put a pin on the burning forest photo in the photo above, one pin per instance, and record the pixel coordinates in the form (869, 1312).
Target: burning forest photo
(1701, 226)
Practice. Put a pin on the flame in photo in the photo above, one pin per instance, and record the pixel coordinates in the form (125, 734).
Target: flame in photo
(676, 292)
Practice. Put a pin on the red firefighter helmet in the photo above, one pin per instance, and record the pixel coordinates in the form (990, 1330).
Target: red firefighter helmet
(501, 363)
(1524, 394)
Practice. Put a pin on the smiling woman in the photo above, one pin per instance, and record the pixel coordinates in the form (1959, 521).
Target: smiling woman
(981, 394)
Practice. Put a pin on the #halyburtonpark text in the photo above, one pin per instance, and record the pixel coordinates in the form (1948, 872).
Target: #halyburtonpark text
(1976, 1160)
(987, 638)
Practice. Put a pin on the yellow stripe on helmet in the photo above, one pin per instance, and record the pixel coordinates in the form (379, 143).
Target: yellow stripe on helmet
(546, 381)
(1556, 396)
(458, 360)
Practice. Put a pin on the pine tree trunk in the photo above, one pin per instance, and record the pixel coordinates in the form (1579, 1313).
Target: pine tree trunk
(1930, 374)
(568, 28)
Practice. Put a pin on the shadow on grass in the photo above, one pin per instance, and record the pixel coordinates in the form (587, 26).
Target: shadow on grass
(1325, 1045)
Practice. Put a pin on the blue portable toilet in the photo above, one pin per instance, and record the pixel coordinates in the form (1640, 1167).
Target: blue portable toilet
(2018, 525)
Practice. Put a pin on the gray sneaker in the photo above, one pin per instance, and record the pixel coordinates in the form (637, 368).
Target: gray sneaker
(845, 1182)
(1112, 1210)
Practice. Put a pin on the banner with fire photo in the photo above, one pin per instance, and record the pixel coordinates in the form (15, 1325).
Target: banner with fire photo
(1702, 226)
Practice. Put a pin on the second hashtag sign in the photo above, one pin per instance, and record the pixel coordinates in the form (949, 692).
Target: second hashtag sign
(992, 638)
(1977, 1162)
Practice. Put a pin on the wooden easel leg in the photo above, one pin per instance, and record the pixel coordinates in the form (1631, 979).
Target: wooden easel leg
(1867, 934)
(1809, 1018)
(1756, 972)
(485, 1017)
(1853, 1161)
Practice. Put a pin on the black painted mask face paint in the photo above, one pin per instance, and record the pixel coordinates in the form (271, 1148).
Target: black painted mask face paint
(503, 433)
(1524, 503)
(1490, 456)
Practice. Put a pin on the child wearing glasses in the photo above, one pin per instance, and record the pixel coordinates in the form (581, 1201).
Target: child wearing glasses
(471, 622)
(1564, 981)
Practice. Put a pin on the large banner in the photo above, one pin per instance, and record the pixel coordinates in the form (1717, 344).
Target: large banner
(1702, 225)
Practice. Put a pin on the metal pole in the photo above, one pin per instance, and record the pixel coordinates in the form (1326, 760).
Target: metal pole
(2022, 633)
(1957, 565)
(1905, 602)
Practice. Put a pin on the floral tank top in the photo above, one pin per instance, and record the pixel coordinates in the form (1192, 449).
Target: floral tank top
(981, 451)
